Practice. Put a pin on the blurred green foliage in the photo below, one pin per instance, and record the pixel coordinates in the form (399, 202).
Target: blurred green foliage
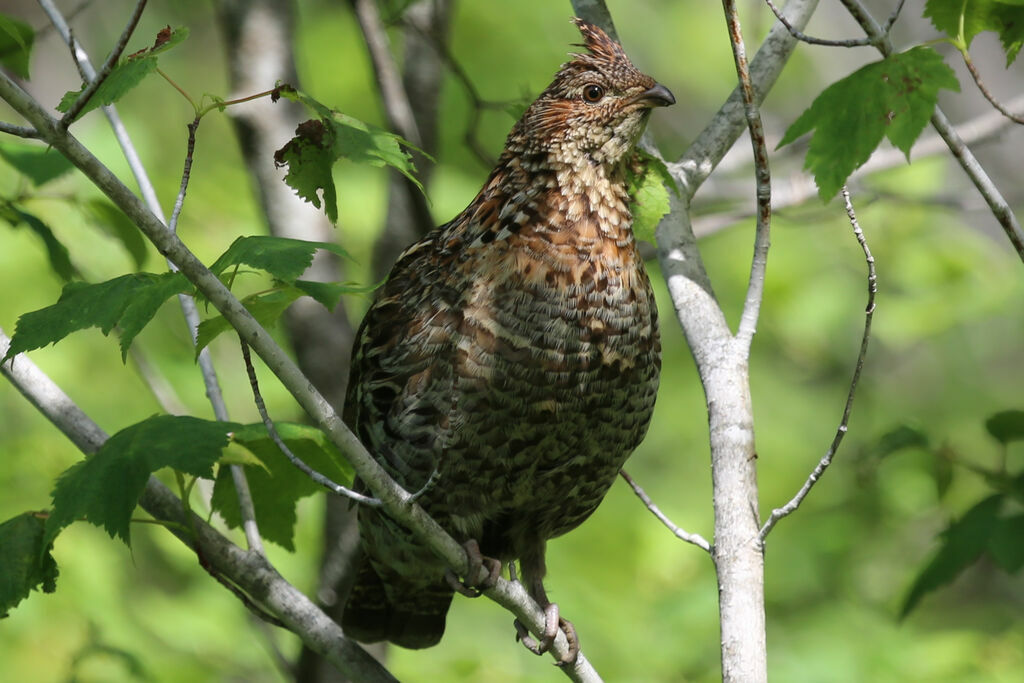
(946, 355)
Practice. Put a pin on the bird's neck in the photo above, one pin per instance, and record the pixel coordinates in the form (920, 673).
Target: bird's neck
(565, 182)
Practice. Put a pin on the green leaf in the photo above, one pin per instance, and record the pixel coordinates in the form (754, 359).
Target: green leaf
(318, 144)
(1004, 17)
(130, 301)
(649, 195)
(113, 222)
(39, 164)
(27, 563)
(963, 543)
(1006, 426)
(1006, 543)
(56, 252)
(277, 487)
(283, 257)
(330, 293)
(128, 73)
(105, 488)
(266, 307)
(16, 38)
(891, 98)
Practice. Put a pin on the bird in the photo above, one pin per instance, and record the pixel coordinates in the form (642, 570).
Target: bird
(509, 364)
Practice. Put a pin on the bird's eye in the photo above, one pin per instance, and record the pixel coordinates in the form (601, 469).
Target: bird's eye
(593, 92)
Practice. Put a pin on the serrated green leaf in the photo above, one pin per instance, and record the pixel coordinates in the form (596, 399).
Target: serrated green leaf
(105, 488)
(266, 307)
(56, 253)
(648, 192)
(1006, 543)
(1004, 17)
(283, 257)
(128, 73)
(130, 301)
(318, 144)
(891, 98)
(1006, 426)
(16, 39)
(962, 544)
(330, 293)
(277, 488)
(123, 78)
(37, 163)
(113, 222)
(27, 563)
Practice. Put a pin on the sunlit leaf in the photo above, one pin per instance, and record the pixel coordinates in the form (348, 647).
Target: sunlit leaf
(648, 192)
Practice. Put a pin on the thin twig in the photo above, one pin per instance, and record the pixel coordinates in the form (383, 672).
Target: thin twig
(869, 311)
(389, 78)
(762, 172)
(108, 66)
(20, 131)
(319, 478)
(997, 204)
(976, 75)
(849, 42)
(681, 534)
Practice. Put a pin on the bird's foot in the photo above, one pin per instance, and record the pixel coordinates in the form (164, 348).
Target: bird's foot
(553, 621)
(475, 584)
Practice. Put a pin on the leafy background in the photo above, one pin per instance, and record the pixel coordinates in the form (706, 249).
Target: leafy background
(946, 355)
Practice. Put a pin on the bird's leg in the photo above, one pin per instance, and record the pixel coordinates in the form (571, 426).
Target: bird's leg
(475, 584)
(534, 568)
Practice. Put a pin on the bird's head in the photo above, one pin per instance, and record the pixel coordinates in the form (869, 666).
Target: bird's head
(595, 108)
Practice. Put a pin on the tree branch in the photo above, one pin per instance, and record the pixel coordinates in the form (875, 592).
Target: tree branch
(762, 173)
(869, 311)
(976, 75)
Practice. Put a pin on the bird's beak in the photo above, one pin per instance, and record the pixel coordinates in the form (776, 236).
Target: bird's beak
(658, 96)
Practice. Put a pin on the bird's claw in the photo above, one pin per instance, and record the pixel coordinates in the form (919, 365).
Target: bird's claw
(553, 622)
(474, 585)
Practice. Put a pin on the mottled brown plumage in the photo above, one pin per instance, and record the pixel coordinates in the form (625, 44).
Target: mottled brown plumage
(513, 353)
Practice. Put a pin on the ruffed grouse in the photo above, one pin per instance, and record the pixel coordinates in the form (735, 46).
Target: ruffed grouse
(512, 357)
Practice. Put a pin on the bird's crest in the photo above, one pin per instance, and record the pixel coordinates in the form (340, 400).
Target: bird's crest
(600, 45)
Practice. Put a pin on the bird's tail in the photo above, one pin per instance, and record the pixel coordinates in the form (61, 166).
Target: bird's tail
(405, 614)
